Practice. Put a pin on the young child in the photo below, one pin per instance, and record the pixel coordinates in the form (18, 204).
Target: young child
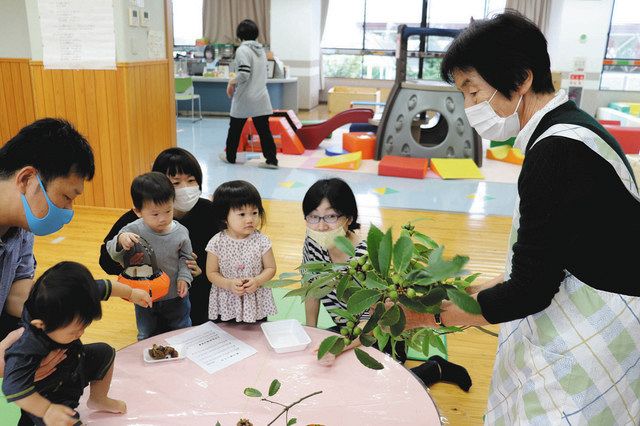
(249, 96)
(239, 258)
(153, 197)
(60, 306)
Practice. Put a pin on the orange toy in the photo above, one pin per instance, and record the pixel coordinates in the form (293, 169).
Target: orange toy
(345, 162)
(408, 167)
(506, 153)
(364, 142)
(284, 137)
(141, 271)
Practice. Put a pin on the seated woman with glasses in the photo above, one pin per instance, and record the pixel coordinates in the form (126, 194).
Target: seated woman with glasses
(330, 211)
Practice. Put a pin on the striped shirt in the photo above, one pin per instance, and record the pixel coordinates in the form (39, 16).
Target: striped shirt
(313, 252)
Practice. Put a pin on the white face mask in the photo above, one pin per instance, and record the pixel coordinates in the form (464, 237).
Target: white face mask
(490, 125)
(326, 239)
(186, 198)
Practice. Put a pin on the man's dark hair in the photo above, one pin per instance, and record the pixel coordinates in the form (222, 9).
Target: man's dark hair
(51, 145)
(175, 161)
(234, 195)
(65, 293)
(339, 195)
(151, 187)
(247, 30)
(502, 50)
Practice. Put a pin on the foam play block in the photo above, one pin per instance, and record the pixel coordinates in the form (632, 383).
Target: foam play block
(392, 165)
(364, 142)
(456, 168)
(335, 150)
(506, 153)
(627, 137)
(284, 136)
(345, 162)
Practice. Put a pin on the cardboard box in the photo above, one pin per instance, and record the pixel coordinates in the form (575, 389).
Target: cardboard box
(339, 98)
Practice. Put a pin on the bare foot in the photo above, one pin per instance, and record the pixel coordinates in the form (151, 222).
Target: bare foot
(107, 404)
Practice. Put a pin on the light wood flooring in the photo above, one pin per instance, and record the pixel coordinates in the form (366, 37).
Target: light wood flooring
(482, 238)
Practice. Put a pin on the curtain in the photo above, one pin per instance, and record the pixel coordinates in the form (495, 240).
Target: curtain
(221, 17)
(324, 8)
(536, 10)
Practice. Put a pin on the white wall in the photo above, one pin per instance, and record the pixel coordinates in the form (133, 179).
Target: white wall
(295, 39)
(14, 38)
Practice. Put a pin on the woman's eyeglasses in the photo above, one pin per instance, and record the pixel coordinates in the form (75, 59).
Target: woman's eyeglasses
(330, 218)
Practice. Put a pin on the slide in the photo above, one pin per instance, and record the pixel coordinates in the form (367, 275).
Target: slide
(312, 135)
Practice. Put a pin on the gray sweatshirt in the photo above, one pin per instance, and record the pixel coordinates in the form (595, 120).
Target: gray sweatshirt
(172, 251)
(251, 98)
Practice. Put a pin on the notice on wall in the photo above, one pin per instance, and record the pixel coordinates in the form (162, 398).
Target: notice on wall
(155, 43)
(77, 34)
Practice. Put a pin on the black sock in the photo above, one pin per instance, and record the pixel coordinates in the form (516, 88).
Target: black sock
(437, 369)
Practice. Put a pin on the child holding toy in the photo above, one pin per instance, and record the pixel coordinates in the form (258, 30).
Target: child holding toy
(153, 196)
(240, 259)
(62, 303)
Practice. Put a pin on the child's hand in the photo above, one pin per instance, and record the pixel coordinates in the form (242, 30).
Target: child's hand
(183, 288)
(140, 298)
(128, 240)
(236, 287)
(250, 285)
(193, 266)
(230, 89)
(58, 414)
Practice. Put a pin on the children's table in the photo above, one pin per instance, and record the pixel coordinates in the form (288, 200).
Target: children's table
(182, 393)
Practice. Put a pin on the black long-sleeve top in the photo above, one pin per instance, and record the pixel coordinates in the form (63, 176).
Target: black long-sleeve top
(575, 215)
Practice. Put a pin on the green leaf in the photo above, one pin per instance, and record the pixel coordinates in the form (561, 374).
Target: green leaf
(362, 300)
(391, 317)
(319, 293)
(414, 304)
(402, 253)
(425, 343)
(464, 301)
(345, 245)
(337, 347)
(436, 341)
(288, 275)
(472, 278)
(343, 313)
(326, 345)
(384, 253)
(367, 340)
(274, 387)
(398, 327)
(342, 286)
(373, 243)
(373, 282)
(302, 292)
(381, 337)
(427, 241)
(434, 297)
(279, 283)
(254, 393)
(440, 269)
(314, 265)
(218, 424)
(367, 360)
(375, 317)
(292, 421)
(416, 274)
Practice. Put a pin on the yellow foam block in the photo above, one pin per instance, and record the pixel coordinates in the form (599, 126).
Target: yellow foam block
(346, 161)
(456, 168)
(505, 153)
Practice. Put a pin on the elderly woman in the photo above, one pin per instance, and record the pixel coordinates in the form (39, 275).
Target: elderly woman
(569, 344)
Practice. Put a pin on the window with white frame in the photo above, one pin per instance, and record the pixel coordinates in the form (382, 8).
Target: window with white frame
(187, 22)
(621, 64)
(359, 39)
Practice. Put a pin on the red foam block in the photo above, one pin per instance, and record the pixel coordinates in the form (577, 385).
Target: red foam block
(408, 167)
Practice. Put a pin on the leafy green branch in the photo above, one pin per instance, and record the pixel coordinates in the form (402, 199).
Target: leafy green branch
(273, 389)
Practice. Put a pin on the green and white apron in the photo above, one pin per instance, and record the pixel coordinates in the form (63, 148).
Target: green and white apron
(578, 361)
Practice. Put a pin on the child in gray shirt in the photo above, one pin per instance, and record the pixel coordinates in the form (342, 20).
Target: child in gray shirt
(153, 196)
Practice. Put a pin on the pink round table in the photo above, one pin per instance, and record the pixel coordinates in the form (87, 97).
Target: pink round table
(182, 393)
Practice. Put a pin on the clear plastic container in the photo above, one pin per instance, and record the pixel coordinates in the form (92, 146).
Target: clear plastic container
(286, 335)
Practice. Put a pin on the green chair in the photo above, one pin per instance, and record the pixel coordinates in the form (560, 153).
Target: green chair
(184, 92)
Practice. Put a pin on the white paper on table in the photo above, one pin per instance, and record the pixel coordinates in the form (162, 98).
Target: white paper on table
(77, 34)
(211, 347)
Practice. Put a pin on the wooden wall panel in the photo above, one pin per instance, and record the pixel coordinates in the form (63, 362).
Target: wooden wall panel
(16, 98)
(126, 114)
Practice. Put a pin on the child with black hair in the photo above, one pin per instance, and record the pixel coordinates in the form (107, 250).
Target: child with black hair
(62, 303)
(240, 259)
(153, 196)
(249, 96)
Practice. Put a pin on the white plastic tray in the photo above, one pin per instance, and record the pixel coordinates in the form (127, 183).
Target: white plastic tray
(285, 335)
(181, 354)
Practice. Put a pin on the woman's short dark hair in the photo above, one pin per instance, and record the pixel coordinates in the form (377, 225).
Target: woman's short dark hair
(64, 293)
(501, 49)
(233, 195)
(174, 161)
(208, 48)
(152, 187)
(247, 30)
(339, 195)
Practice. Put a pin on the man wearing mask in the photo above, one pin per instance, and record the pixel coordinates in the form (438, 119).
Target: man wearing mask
(42, 170)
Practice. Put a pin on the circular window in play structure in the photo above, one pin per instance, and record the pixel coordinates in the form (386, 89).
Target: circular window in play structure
(429, 128)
